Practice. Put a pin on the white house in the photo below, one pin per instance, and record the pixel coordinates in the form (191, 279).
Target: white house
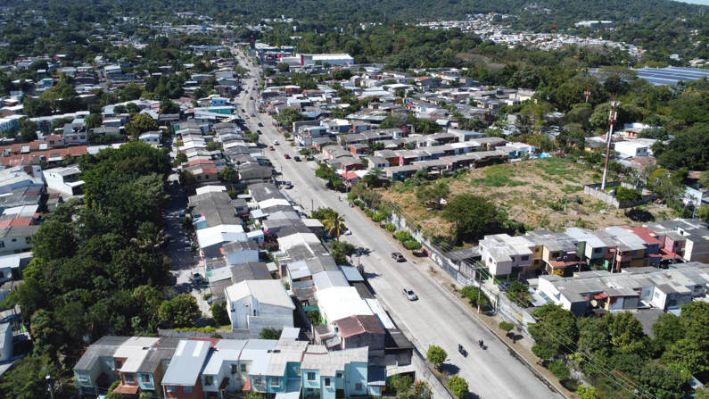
(503, 254)
(64, 180)
(150, 138)
(258, 304)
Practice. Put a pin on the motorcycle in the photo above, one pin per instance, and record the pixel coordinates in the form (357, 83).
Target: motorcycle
(462, 351)
(482, 344)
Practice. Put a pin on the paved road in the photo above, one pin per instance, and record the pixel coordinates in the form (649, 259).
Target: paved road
(437, 317)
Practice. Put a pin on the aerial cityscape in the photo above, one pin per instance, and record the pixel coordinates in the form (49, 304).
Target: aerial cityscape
(372, 199)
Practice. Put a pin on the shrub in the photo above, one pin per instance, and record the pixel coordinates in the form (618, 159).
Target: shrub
(412, 245)
(436, 355)
(560, 369)
(403, 236)
(506, 326)
(390, 227)
(623, 194)
(472, 294)
(459, 386)
(220, 314)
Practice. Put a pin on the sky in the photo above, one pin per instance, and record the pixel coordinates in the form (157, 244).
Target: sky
(703, 2)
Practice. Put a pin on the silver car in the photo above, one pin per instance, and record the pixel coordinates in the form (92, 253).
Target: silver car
(410, 294)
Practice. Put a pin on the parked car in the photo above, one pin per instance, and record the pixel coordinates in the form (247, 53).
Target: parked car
(271, 148)
(260, 124)
(258, 131)
(296, 158)
(410, 294)
(397, 256)
(310, 158)
(286, 156)
(275, 142)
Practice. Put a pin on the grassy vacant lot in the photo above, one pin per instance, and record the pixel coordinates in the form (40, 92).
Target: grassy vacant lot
(539, 193)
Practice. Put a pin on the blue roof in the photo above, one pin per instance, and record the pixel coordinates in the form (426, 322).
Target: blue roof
(670, 75)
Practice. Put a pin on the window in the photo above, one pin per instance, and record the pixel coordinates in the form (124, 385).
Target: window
(327, 381)
(170, 388)
(14, 240)
(129, 378)
(338, 374)
(525, 257)
(145, 377)
(358, 386)
(187, 389)
(2, 244)
(311, 376)
(208, 380)
(28, 240)
(275, 382)
(243, 368)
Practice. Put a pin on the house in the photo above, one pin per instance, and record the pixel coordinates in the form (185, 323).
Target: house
(5, 341)
(334, 374)
(75, 134)
(64, 180)
(128, 358)
(257, 304)
(240, 252)
(181, 379)
(14, 239)
(11, 266)
(504, 255)
(96, 369)
(151, 137)
(686, 238)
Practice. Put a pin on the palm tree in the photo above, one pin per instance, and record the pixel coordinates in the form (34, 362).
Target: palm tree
(334, 224)
(149, 237)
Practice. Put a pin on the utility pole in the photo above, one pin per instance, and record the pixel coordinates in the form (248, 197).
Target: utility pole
(50, 386)
(611, 121)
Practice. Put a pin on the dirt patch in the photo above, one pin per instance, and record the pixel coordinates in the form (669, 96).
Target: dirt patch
(539, 193)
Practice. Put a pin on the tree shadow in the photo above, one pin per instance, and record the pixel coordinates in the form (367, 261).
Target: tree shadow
(449, 368)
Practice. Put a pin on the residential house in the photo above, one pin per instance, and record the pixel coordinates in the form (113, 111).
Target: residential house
(257, 304)
(504, 255)
(182, 377)
(64, 180)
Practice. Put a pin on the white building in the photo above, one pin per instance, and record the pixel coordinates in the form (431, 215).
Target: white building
(64, 180)
(258, 304)
(503, 254)
(634, 148)
(150, 138)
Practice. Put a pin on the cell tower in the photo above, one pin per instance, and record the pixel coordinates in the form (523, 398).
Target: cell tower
(611, 122)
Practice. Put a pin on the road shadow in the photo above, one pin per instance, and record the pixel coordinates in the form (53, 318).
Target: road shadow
(471, 395)
(449, 368)
(370, 275)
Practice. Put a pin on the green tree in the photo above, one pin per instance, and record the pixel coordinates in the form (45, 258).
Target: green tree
(518, 292)
(282, 67)
(472, 293)
(689, 149)
(220, 314)
(688, 356)
(560, 370)
(179, 311)
(169, 107)
(93, 120)
(627, 333)
(695, 319)
(661, 383)
(458, 386)
(26, 379)
(594, 336)
(287, 116)
(139, 124)
(473, 216)
(28, 130)
(554, 329)
(667, 330)
(436, 355)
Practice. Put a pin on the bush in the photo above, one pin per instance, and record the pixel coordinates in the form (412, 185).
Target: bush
(506, 326)
(459, 386)
(412, 245)
(623, 194)
(560, 370)
(472, 293)
(436, 355)
(403, 236)
(270, 333)
(390, 227)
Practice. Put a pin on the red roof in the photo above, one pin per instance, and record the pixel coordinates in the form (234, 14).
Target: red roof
(349, 176)
(355, 325)
(29, 158)
(646, 234)
(125, 389)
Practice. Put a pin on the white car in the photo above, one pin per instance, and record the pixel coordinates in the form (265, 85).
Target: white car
(275, 142)
(410, 294)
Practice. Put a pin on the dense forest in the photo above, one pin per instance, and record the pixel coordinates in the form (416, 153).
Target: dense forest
(661, 26)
